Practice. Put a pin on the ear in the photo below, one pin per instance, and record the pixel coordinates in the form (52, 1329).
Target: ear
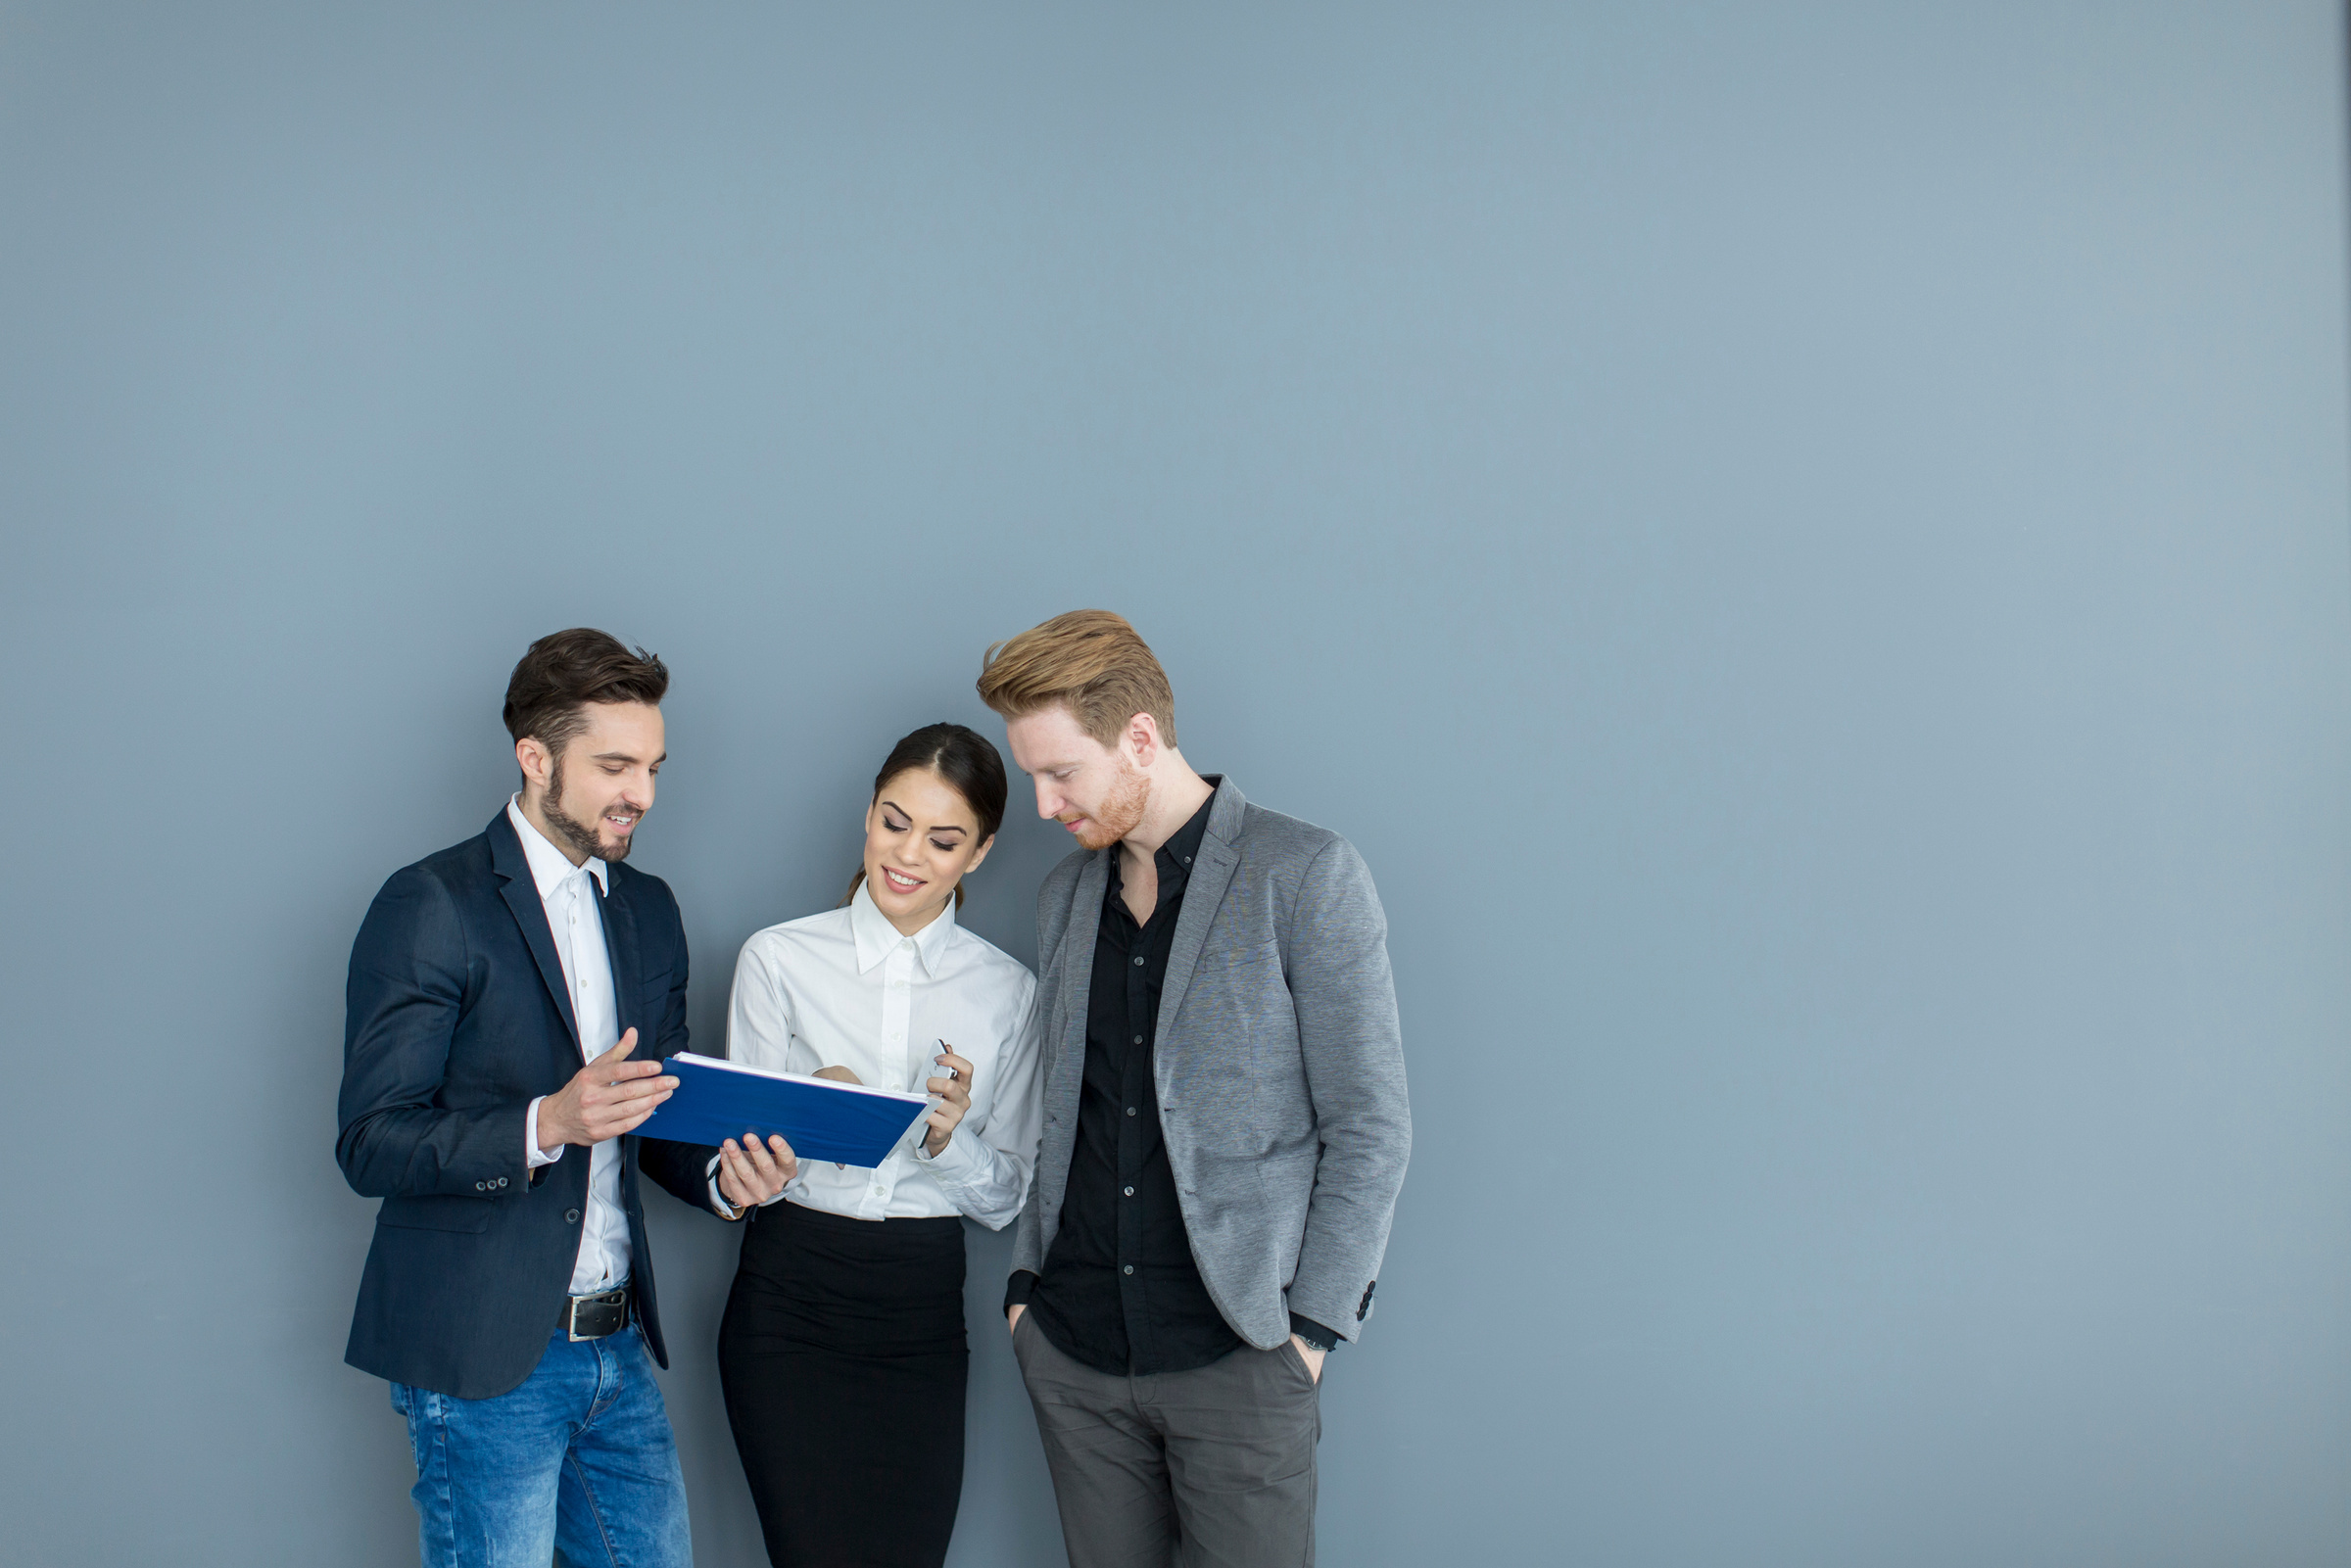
(535, 760)
(986, 845)
(1141, 737)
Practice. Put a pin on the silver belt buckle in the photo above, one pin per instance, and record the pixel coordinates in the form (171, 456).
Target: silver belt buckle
(602, 1313)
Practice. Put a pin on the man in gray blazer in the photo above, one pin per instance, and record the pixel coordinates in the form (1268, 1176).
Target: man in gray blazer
(1225, 1124)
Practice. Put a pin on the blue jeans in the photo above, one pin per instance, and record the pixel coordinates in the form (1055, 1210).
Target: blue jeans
(578, 1461)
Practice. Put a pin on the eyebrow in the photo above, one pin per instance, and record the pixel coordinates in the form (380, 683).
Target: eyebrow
(624, 756)
(942, 828)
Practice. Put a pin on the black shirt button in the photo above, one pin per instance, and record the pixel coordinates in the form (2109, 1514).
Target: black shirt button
(571, 1216)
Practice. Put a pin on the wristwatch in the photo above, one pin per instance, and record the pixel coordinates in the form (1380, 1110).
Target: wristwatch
(1312, 1341)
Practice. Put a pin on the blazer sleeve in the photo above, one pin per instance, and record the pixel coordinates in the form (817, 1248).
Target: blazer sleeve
(1028, 1246)
(1352, 1048)
(401, 1001)
(682, 1168)
(1052, 923)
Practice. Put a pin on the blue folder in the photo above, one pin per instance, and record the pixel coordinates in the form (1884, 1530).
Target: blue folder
(845, 1122)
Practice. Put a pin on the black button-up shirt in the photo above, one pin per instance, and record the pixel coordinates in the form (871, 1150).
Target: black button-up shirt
(1119, 1291)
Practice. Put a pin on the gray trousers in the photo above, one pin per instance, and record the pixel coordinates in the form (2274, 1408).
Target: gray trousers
(1210, 1468)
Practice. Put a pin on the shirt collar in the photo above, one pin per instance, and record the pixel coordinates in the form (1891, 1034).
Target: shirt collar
(1184, 842)
(877, 936)
(549, 865)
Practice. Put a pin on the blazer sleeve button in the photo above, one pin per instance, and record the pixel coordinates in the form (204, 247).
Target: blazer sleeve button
(571, 1216)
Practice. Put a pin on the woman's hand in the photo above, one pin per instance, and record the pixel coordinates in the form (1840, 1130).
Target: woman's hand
(754, 1172)
(954, 1093)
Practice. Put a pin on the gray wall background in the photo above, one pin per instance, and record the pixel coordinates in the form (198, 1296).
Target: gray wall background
(1806, 544)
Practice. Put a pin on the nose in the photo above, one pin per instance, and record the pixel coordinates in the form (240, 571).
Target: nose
(1049, 801)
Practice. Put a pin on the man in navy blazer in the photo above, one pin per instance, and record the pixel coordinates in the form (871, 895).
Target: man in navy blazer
(511, 1002)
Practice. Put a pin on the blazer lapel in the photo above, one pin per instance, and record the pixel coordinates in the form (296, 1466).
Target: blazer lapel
(530, 913)
(620, 942)
(620, 946)
(1203, 895)
(1077, 953)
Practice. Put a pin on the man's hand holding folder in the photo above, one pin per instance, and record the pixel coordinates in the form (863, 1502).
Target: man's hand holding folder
(604, 1099)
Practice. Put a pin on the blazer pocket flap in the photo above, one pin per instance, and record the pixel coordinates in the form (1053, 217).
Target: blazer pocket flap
(1218, 957)
(435, 1213)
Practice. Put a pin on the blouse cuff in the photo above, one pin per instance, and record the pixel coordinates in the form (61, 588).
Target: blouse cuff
(956, 1164)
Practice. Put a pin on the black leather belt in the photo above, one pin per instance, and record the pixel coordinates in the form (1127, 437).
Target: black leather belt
(592, 1317)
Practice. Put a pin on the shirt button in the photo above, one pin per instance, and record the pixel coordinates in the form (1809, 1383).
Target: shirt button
(1128, 1269)
(1138, 1039)
(1130, 1192)
(1138, 963)
(1131, 1111)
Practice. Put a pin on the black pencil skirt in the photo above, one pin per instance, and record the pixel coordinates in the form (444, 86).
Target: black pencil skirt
(843, 1360)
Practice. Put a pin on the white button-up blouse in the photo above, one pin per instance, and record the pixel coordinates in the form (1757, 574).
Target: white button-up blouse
(844, 988)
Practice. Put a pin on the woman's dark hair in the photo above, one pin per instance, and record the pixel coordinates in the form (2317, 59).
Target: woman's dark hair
(565, 670)
(966, 761)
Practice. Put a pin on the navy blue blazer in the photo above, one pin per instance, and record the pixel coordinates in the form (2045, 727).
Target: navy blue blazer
(457, 1018)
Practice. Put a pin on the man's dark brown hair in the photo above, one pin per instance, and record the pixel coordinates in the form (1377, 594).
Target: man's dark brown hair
(564, 671)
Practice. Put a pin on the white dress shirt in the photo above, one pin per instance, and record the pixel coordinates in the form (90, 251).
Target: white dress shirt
(844, 988)
(572, 896)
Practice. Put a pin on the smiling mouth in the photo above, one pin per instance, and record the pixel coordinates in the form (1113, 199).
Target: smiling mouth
(621, 822)
(898, 883)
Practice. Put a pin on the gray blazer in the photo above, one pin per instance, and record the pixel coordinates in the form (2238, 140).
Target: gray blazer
(1279, 1063)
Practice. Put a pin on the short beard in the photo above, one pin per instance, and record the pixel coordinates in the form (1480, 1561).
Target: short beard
(1122, 810)
(575, 833)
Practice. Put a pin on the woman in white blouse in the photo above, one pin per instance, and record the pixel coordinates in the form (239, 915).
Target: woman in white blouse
(842, 1352)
